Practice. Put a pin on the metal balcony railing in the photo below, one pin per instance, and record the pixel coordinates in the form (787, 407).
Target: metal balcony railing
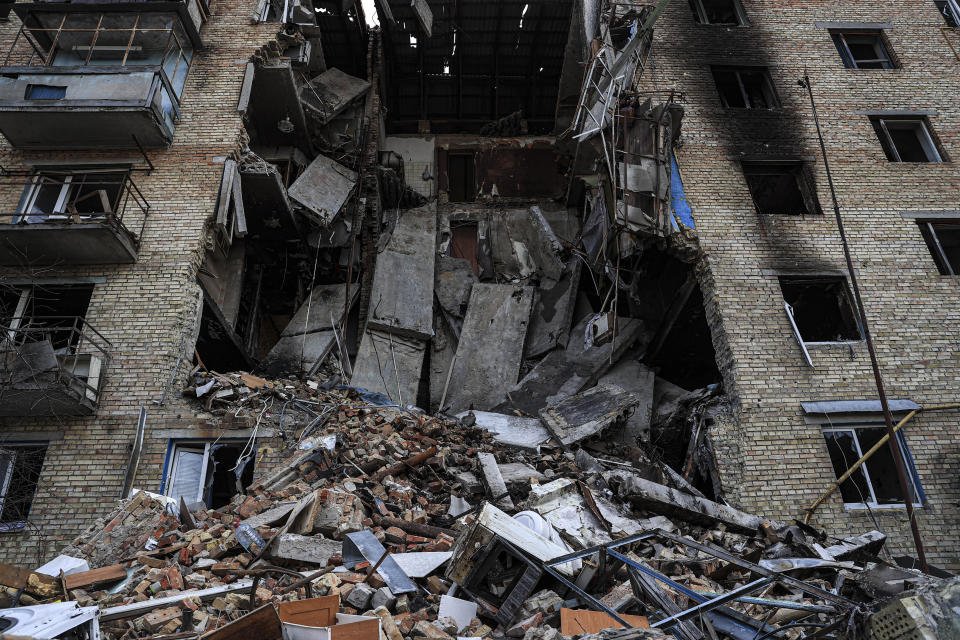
(57, 355)
(112, 198)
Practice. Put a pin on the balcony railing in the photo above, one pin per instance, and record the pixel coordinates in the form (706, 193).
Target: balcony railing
(95, 217)
(51, 366)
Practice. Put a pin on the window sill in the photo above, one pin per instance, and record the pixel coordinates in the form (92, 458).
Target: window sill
(842, 343)
(861, 507)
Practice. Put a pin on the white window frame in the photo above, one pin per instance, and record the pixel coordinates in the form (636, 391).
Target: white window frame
(941, 257)
(63, 198)
(879, 47)
(926, 140)
(873, 504)
(737, 6)
(193, 447)
(767, 80)
(7, 479)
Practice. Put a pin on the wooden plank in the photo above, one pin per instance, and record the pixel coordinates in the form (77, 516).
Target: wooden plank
(240, 216)
(226, 189)
(259, 624)
(33, 582)
(103, 575)
(315, 612)
(573, 622)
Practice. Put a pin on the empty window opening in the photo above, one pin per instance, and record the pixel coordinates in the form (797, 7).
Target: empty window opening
(208, 472)
(943, 240)
(950, 11)
(59, 196)
(464, 239)
(718, 12)
(875, 483)
(783, 188)
(47, 312)
(906, 139)
(821, 308)
(20, 467)
(461, 176)
(745, 88)
(45, 92)
(863, 49)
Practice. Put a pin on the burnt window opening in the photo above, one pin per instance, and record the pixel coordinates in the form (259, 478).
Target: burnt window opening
(906, 139)
(54, 312)
(57, 195)
(821, 308)
(208, 472)
(461, 177)
(943, 240)
(745, 88)
(863, 49)
(875, 483)
(782, 188)
(20, 467)
(718, 12)
(951, 14)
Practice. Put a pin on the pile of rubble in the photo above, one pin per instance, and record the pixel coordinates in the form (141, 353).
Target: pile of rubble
(442, 528)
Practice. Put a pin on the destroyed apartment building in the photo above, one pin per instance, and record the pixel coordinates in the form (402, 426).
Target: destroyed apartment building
(450, 318)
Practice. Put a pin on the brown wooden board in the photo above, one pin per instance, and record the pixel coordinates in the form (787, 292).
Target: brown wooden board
(359, 630)
(103, 575)
(573, 622)
(35, 583)
(259, 624)
(313, 612)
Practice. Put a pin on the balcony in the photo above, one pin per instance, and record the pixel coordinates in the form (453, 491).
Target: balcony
(83, 80)
(71, 218)
(52, 366)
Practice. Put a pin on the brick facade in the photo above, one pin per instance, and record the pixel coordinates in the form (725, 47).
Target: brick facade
(772, 461)
(145, 309)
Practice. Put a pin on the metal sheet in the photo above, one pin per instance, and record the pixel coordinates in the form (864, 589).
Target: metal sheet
(363, 545)
(857, 406)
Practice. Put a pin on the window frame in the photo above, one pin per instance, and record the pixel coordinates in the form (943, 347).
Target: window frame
(737, 70)
(908, 462)
(953, 17)
(700, 14)
(840, 279)
(927, 141)
(801, 173)
(937, 252)
(13, 526)
(69, 179)
(839, 37)
(205, 446)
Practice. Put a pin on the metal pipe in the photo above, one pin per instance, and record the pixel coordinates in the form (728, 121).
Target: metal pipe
(861, 311)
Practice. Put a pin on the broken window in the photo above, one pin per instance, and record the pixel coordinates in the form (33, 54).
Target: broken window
(950, 11)
(56, 195)
(45, 92)
(943, 240)
(820, 308)
(718, 12)
(52, 312)
(863, 49)
(875, 483)
(906, 139)
(784, 188)
(745, 87)
(209, 472)
(20, 466)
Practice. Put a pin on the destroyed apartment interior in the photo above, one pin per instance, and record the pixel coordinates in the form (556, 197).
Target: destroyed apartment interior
(466, 319)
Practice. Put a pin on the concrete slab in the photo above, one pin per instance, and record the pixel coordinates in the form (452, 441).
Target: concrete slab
(326, 302)
(389, 364)
(323, 188)
(553, 312)
(443, 348)
(491, 345)
(401, 299)
(513, 431)
(331, 92)
(587, 413)
(638, 379)
(564, 372)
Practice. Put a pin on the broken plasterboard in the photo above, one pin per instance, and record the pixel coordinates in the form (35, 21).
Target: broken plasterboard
(323, 188)
(562, 505)
(585, 414)
(488, 356)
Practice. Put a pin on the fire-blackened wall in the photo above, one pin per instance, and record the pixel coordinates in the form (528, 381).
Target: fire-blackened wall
(773, 461)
